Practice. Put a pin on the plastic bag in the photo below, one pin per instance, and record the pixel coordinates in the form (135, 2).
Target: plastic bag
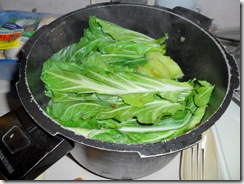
(17, 30)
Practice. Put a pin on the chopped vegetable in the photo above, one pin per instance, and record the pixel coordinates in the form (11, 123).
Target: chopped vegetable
(117, 85)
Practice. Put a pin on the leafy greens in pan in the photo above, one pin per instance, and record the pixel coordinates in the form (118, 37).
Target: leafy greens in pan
(117, 85)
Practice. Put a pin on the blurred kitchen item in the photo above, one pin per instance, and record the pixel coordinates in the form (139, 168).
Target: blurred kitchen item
(189, 4)
(231, 33)
(200, 162)
(230, 39)
(2, 55)
(45, 21)
(13, 52)
(9, 66)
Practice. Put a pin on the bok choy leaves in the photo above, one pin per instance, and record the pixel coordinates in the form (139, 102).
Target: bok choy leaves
(117, 85)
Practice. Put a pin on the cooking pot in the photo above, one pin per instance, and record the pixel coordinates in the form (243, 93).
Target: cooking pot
(32, 141)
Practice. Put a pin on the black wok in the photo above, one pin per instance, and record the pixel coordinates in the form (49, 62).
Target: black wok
(200, 55)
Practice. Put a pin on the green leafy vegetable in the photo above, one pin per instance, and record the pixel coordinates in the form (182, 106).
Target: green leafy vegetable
(162, 66)
(117, 85)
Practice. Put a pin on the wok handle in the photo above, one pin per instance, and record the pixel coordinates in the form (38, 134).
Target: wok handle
(26, 150)
(197, 18)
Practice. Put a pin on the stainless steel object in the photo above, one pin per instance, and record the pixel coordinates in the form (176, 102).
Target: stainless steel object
(200, 162)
